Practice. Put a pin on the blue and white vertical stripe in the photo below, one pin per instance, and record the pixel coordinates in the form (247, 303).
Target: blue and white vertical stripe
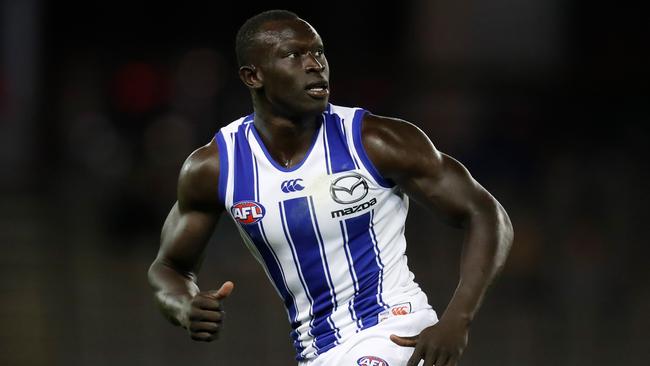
(333, 272)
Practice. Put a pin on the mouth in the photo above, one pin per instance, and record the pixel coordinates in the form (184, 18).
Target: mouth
(318, 90)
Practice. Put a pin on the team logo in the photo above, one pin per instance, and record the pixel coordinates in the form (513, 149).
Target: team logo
(349, 189)
(371, 361)
(292, 185)
(247, 212)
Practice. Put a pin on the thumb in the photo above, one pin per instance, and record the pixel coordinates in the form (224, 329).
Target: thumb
(404, 341)
(224, 291)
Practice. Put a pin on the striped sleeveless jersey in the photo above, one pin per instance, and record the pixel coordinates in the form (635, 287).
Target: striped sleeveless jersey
(329, 231)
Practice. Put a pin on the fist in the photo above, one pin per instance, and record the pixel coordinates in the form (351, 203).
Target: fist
(203, 314)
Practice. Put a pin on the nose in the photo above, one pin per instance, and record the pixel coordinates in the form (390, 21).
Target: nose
(312, 63)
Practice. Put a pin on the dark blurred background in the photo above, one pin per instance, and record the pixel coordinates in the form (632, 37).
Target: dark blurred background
(545, 101)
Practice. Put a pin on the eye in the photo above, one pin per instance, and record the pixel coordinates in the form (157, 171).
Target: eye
(292, 55)
(319, 53)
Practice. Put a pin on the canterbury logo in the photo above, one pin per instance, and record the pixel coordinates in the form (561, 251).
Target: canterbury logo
(397, 310)
(292, 185)
(400, 310)
(349, 189)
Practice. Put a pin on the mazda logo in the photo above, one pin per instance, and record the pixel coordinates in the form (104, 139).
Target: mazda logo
(349, 188)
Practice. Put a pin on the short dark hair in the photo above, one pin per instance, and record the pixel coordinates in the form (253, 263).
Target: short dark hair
(250, 28)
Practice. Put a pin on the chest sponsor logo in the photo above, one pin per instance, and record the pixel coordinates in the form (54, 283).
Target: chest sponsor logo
(396, 310)
(371, 361)
(353, 209)
(292, 185)
(247, 212)
(349, 188)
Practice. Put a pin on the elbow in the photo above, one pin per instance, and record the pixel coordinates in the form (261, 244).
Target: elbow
(499, 228)
(500, 221)
(491, 226)
(505, 235)
(507, 231)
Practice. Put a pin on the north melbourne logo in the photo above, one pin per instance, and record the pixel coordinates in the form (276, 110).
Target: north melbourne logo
(349, 188)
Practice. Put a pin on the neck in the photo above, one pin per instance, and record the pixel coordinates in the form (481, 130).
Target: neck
(286, 139)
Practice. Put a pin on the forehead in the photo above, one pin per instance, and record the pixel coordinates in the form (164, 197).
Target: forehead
(276, 33)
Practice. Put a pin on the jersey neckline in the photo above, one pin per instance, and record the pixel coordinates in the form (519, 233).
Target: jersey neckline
(279, 167)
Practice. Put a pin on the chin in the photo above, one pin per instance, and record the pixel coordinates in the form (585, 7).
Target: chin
(317, 107)
(304, 107)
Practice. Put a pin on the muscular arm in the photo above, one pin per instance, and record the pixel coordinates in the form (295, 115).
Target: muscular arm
(404, 154)
(185, 234)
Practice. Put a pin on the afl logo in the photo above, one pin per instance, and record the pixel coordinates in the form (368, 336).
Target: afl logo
(349, 188)
(371, 361)
(247, 212)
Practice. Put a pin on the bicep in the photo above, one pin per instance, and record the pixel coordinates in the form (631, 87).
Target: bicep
(192, 220)
(443, 184)
(404, 154)
(184, 237)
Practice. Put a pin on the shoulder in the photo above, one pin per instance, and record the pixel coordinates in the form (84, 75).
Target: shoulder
(381, 129)
(397, 147)
(199, 176)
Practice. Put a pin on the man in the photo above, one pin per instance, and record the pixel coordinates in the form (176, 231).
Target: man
(320, 194)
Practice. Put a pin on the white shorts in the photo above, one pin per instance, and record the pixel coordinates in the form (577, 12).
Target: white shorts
(373, 347)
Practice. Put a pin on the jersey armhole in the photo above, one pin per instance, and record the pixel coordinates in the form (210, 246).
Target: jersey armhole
(223, 166)
(357, 122)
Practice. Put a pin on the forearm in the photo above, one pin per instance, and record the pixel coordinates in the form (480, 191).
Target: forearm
(173, 289)
(487, 243)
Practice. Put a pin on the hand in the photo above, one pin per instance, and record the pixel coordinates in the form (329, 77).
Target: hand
(441, 344)
(202, 315)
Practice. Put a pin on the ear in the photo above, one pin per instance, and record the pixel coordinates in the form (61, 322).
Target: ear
(251, 76)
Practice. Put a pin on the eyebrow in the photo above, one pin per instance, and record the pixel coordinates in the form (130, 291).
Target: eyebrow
(299, 44)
